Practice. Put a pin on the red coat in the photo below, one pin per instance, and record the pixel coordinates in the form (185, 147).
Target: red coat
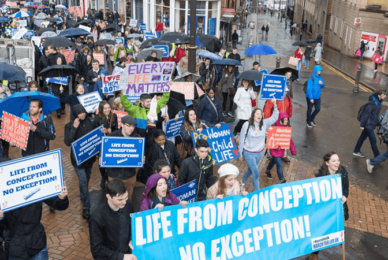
(159, 27)
(298, 54)
(169, 59)
(284, 106)
(179, 54)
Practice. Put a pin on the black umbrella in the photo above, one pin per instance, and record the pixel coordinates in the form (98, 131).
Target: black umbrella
(151, 42)
(174, 37)
(58, 41)
(211, 43)
(44, 30)
(105, 42)
(85, 22)
(71, 23)
(179, 98)
(54, 19)
(109, 28)
(11, 73)
(250, 75)
(58, 71)
(311, 41)
(284, 70)
(299, 44)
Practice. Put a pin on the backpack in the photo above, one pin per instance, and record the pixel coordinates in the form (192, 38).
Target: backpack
(305, 85)
(362, 110)
(382, 128)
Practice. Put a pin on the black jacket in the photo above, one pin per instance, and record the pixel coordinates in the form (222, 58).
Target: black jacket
(204, 72)
(30, 237)
(193, 168)
(234, 37)
(38, 55)
(121, 173)
(370, 117)
(43, 63)
(72, 134)
(53, 59)
(85, 68)
(154, 152)
(110, 232)
(39, 141)
(113, 125)
(234, 56)
(90, 76)
(267, 28)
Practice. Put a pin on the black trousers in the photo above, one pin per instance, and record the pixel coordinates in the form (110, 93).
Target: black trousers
(225, 99)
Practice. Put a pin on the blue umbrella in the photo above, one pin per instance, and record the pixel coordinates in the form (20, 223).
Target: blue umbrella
(198, 43)
(20, 102)
(21, 14)
(260, 49)
(73, 32)
(227, 62)
(4, 20)
(208, 54)
(10, 73)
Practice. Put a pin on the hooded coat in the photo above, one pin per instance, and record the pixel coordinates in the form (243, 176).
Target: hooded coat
(280, 152)
(370, 117)
(72, 134)
(318, 53)
(147, 203)
(284, 106)
(313, 90)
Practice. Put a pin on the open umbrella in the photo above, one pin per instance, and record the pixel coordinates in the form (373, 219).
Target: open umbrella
(198, 43)
(134, 35)
(21, 14)
(178, 101)
(41, 16)
(182, 77)
(38, 33)
(151, 42)
(174, 37)
(58, 71)
(54, 19)
(48, 34)
(11, 73)
(105, 42)
(211, 43)
(311, 41)
(260, 49)
(207, 54)
(109, 28)
(85, 22)
(58, 41)
(20, 102)
(60, 7)
(250, 75)
(227, 62)
(284, 70)
(4, 20)
(147, 52)
(73, 32)
(299, 43)
(71, 23)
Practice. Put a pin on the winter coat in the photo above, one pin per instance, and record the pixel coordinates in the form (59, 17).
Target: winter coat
(298, 54)
(38, 141)
(345, 187)
(147, 203)
(90, 75)
(207, 113)
(227, 82)
(179, 54)
(267, 28)
(53, 58)
(121, 173)
(85, 68)
(370, 117)
(242, 98)
(30, 237)
(154, 152)
(307, 53)
(159, 27)
(212, 192)
(194, 168)
(280, 152)
(207, 75)
(110, 232)
(112, 124)
(263, 28)
(284, 106)
(71, 100)
(362, 46)
(234, 37)
(318, 53)
(72, 134)
(313, 90)
(43, 62)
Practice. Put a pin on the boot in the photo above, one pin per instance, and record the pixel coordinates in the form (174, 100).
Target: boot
(6, 152)
(313, 257)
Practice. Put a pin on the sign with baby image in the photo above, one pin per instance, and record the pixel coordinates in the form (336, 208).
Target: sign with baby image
(279, 137)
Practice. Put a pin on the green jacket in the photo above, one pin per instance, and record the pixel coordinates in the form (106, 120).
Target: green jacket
(140, 113)
(118, 52)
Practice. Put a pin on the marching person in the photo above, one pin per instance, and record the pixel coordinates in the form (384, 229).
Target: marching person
(158, 28)
(93, 75)
(190, 125)
(54, 55)
(163, 168)
(228, 90)
(299, 55)
(313, 95)
(243, 100)
(209, 109)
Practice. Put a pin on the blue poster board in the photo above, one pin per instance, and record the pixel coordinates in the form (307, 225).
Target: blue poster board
(119, 39)
(148, 36)
(164, 48)
(273, 85)
(223, 148)
(258, 82)
(212, 26)
(173, 128)
(58, 80)
(122, 152)
(187, 192)
(143, 27)
(88, 145)
(133, 98)
(29, 34)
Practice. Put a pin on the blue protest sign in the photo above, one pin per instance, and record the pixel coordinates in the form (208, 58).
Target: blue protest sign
(164, 48)
(90, 101)
(282, 221)
(223, 148)
(149, 35)
(173, 128)
(122, 152)
(143, 27)
(30, 179)
(187, 192)
(29, 34)
(273, 85)
(58, 80)
(133, 98)
(88, 145)
(258, 82)
(119, 39)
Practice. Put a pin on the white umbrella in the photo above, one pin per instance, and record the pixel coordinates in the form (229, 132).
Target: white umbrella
(60, 7)
(147, 52)
(48, 34)
(41, 16)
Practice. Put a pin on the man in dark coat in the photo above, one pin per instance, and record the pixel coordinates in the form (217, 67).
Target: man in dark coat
(198, 167)
(54, 55)
(235, 56)
(206, 72)
(369, 120)
(235, 39)
(93, 75)
(74, 130)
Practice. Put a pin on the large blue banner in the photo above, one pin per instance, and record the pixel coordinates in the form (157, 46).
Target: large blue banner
(223, 148)
(273, 85)
(164, 48)
(88, 145)
(121, 152)
(281, 221)
(58, 80)
(173, 128)
(187, 192)
(148, 36)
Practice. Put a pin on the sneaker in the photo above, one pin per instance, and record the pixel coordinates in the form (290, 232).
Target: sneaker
(268, 173)
(230, 114)
(369, 166)
(359, 154)
(309, 125)
(224, 114)
(283, 181)
(313, 123)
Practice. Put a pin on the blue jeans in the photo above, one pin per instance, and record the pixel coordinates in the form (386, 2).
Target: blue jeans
(83, 174)
(367, 132)
(362, 55)
(298, 68)
(316, 105)
(158, 34)
(252, 160)
(279, 166)
(307, 63)
(381, 158)
(42, 255)
(236, 73)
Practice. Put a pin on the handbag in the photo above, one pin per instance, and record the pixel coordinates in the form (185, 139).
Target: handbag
(358, 52)
(253, 102)
(231, 91)
(293, 61)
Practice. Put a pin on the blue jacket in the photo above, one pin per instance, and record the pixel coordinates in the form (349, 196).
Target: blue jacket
(313, 90)
(207, 113)
(370, 117)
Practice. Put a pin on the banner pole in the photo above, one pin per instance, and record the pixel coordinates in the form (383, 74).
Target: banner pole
(343, 251)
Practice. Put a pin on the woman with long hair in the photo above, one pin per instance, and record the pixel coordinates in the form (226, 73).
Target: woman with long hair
(228, 89)
(191, 124)
(86, 66)
(243, 99)
(209, 109)
(252, 142)
(33, 86)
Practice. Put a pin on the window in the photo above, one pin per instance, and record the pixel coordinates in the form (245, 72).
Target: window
(336, 25)
(342, 29)
(350, 36)
(331, 22)
(346, 34)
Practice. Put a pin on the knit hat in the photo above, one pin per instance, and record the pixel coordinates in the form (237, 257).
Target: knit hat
(228, 169)
(128, 120)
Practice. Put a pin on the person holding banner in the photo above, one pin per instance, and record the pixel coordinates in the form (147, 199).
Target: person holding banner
(74, 130)
(252, 142)
(190, 125)
(163, 168)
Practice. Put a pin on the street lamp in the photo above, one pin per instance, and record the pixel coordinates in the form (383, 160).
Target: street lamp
(193, 28)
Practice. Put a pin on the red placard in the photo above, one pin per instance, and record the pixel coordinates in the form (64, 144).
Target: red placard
(368, 38)
(279, 136)
(15, 130)
(120, 114)
(69, 55)
(377, 58)
(77, 10)
(227, 12)
(23, 10)
(100, 57)
(11, 3)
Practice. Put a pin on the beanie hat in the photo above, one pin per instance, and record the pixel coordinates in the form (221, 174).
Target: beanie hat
(228, 169)
(128, 120)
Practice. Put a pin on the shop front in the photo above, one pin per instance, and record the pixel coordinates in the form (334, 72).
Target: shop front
(374, 40)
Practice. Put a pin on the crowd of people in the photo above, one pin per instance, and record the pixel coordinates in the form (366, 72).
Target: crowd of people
(168, 162)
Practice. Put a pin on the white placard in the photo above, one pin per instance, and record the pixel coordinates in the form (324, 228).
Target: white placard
(90, 101)
(85, 28)
(20, 33)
